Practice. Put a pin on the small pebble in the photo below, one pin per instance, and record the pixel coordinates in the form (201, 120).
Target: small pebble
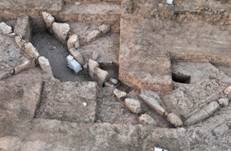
(146, 120)
(84, 104)
(104, 28)
(133, 105)
(119, 94)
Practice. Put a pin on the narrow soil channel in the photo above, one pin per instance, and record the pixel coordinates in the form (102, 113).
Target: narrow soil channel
(56, 52)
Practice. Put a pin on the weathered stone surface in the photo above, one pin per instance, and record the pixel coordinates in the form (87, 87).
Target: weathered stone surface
(65, 101)
(119, 94)
(146, 119)
(189, 98)
(5, 29)
(223, 102)
(51, 5)
(73, 42)
(55, 135)
(30, 50)
(23, 27)
(92, 35)
(104, 28)
(48, 19)
(19, 97)
(174, 120)
(10, 54)
(45, 65)
(61, 31)
(110, 110)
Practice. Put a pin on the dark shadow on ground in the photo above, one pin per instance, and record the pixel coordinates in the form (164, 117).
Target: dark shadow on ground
(56, 52)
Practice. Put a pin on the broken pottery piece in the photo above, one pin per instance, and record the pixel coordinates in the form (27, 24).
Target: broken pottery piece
(202, 114)
(174, 120)
(133, 105)
(92, 35)
(30, 50)
(73, 64)
(5, 29)
(104, 28)
(48, 19)
(119, 94)
(61, 31)
(146, 120)
(77, 55)
(73, 42)
(45, 65)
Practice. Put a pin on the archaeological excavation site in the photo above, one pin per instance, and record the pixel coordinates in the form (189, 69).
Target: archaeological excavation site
(115, 75)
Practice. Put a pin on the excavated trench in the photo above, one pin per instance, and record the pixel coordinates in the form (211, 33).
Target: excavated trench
(56, 53)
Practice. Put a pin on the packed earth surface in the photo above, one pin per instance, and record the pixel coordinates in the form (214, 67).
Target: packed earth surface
(115, 75)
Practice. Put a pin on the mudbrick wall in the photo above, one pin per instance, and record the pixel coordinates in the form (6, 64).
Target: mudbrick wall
(115, 75)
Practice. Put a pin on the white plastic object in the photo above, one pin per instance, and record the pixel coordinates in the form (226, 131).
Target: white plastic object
(159, 149)
(170, 2)
(73, 64)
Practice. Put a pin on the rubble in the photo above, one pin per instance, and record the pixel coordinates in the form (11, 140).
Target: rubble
(146, 119)
(73, 42)
(114, 81)
(20, 41)
(223, 102)
(48, 19)
(61, 31)
(119, 94)
(174, 120)
(23, 28)
(30, 50)
(203, 113)
(133, 105)
(24, 66)
(104, 28)
(92, 35)
(5, 29)
(45, 65)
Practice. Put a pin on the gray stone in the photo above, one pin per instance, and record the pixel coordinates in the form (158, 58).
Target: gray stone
(5, 29)
(146, 120)
(48, 19)
(31, 51)
(223, 102)
(73, 42)
(174, 120)
(221, 129)
(65, 101)
(104, 28)
(133, 105)
(119, 94)
(61, 31)
(23, 27)
(45, 65)
(92, 35)
(152, 99)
